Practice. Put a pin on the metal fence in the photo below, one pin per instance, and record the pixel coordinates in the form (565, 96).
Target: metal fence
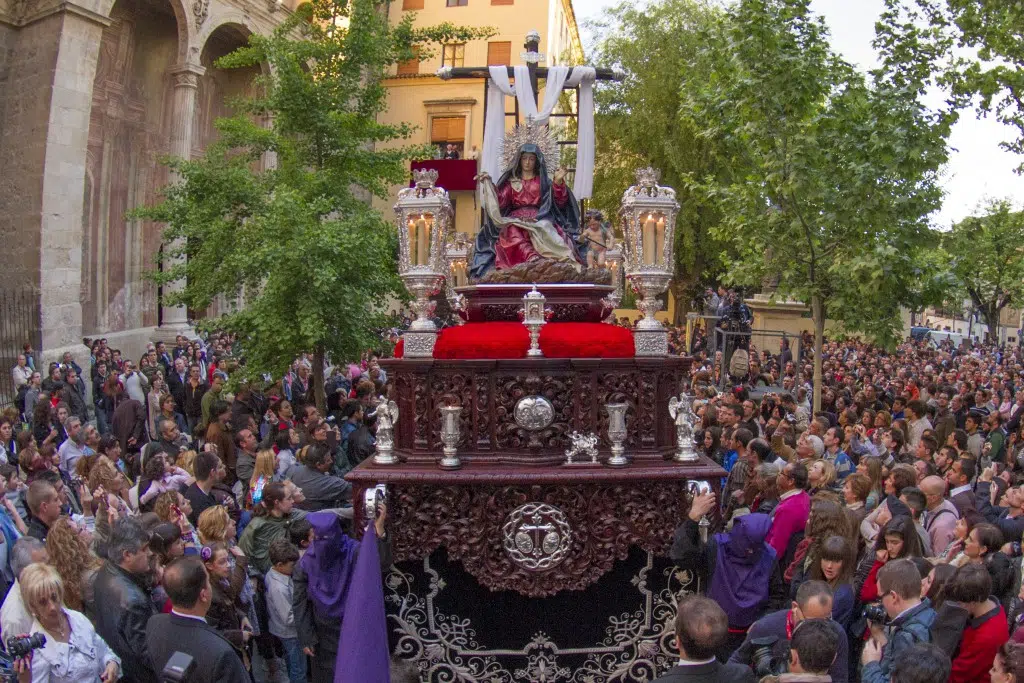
(19, 325)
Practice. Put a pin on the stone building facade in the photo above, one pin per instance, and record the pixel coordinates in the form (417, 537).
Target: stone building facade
(93, 93)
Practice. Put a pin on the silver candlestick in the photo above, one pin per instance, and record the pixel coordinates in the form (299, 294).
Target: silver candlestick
(534, 315)
(617, 433)
(450, 437)
(681, 410)
(387, 416)
(699, 487)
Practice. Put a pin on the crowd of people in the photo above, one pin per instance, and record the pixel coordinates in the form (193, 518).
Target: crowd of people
(161, 513)
(890, 519)
(876, 539)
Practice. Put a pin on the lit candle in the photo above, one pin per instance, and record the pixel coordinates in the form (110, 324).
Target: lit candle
(422, 248)
(412, 242)
(659, 241)
(649, 232)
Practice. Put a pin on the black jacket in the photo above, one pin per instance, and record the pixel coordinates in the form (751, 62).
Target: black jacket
(216, 661)
(123, 608)
(713, 672)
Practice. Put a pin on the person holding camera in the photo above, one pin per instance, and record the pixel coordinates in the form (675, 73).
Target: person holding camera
(767, 645)
(812, 651)
(66, 647)
(910, 620)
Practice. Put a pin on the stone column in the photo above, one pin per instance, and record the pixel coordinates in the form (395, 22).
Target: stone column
(174, 319)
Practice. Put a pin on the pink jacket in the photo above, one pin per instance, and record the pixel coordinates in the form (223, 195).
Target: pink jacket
(789, 517)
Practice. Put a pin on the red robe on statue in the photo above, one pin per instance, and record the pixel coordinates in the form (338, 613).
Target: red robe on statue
(514, 246)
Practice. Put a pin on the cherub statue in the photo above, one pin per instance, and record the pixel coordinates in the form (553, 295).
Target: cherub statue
(596, 238)
(681, 410)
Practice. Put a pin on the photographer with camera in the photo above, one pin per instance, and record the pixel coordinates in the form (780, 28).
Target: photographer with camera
(766, 648)
(909, 620)
(62, 646)
(812, 651)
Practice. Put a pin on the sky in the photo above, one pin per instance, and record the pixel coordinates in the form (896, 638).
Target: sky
(978, 167)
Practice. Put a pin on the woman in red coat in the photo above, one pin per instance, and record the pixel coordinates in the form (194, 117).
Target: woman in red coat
(986, 629)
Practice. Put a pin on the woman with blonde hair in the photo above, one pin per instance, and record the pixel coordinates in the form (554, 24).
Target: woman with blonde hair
(821, 475)
(90, 659)
(264, 472)
(69, 554)
(186, 461)
(216, 526)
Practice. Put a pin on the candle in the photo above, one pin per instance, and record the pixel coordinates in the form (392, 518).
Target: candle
(649, 232)
(422, 249)
(659, 241)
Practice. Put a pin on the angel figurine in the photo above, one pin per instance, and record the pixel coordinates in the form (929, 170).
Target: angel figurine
(387, 415)
(681, 410)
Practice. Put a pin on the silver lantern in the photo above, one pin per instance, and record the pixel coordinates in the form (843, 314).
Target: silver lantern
(617, 433)
(450, 432)
(613, 257)
(423, 216)
(648, 216)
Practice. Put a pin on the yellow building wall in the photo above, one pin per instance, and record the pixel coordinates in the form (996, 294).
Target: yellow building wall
(418, 99)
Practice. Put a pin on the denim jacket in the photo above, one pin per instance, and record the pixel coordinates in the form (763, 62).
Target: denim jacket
(906, 630)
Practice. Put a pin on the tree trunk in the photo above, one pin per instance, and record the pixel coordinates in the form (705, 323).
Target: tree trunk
(818, 314)
(990, 313)
(317, 378)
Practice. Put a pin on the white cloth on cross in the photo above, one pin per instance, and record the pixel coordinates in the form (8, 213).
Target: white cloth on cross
(558, 77)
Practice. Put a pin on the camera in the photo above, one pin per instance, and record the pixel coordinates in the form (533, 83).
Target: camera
(762, 660)
(179, 668)
(875, 613)
(19, 647)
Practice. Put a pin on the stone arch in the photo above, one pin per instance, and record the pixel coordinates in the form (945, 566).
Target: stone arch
(230, 20)
(129, 130)
(185, 18)
(218, 87)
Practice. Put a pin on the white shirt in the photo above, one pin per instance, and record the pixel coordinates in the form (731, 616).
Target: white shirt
(14, 618)
(21, 375)
(70, 452)
(966, 488)
(188, 616)
(788, 494)
(83, 658)
(687, 662)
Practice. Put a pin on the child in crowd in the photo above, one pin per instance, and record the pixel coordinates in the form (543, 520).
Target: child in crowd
(162, 476)
(301, 535)
(283, 556)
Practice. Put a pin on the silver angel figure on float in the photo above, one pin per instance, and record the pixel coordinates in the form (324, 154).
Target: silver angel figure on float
(681, 410)
(387, 415)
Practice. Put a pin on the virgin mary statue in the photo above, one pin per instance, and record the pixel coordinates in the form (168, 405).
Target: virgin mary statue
(527, 216)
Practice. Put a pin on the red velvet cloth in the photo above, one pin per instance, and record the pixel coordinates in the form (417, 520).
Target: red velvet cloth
(452, 174)
(586, 340)
(511, 340)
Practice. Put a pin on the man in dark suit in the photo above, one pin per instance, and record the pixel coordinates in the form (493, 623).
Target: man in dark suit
(185, 628)
(701, 628)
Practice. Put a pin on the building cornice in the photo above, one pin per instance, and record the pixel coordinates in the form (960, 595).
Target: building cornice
(16, 14)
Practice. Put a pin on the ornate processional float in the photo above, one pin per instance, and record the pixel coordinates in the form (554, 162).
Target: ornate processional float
(535, 459)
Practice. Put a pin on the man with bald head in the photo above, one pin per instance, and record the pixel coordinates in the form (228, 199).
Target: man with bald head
(940, 515)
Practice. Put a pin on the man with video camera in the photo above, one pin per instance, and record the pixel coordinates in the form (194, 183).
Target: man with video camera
(910, 620)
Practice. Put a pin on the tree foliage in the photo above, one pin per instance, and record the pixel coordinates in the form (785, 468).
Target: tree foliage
(834, 172)
(297, 240)
(986, 257)
(657, 46)
(995, 30)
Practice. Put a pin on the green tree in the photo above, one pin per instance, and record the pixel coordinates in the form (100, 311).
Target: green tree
(657, 46)
(298, 241)
(993, 28)
(834, 172)
(986, 255)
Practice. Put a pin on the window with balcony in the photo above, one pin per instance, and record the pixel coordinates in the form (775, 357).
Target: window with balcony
(412, 4)
(448, 135)
(453, 54)
(502, 2)
(458, 3)
(499, 53)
